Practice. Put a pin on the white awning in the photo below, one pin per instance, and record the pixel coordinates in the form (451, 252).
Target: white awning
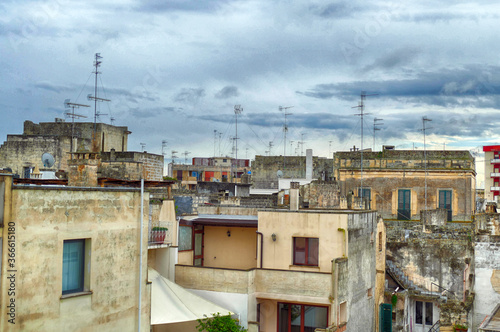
(171, 303)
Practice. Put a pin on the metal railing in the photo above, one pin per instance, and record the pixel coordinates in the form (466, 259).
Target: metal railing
(435, 327)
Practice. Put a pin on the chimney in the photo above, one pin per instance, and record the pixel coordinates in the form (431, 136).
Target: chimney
(294, 196)
(309, 164)
(83, 169)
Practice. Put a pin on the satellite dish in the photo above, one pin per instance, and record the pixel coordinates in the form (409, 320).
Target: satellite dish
(47, 160)
(279, 174)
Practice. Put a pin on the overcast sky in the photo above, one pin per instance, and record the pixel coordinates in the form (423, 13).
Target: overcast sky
(175, 69)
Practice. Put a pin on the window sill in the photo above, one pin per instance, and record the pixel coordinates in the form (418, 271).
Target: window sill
(67, 296)
(316, 267)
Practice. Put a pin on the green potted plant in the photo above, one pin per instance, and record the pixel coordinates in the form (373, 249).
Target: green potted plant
(460, 328)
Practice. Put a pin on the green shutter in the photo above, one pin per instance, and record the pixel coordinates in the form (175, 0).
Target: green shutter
(385, 317)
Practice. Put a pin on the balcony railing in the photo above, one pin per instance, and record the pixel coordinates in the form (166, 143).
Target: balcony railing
(495, 161)
(494, 188)
(495, 175)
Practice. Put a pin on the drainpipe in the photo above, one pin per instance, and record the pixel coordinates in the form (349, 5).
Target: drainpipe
(334, 292)
(261, 247)
(140, 257)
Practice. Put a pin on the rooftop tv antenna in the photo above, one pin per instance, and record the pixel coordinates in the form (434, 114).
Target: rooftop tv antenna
(237, 110)
(361, 107)
(174, 156)
(285, 130)
(375, 128)
(186, 153)
(143, 146)
(73, 115)
(95, 98)
(112, 119)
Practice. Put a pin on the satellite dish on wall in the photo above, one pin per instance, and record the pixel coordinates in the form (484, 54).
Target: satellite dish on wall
(279, 174)
(48, 160)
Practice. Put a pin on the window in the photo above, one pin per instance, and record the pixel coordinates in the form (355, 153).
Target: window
(423, 313)
(404, 207)
(73, 277)
(300, 317)
(365, 194)
(305, 251)
(445, 202)
(185, 238)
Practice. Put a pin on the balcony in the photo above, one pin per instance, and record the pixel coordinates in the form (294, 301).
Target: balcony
(495, 161)
(494, 188)
(266, 283)
(495, 175)
(160, 236)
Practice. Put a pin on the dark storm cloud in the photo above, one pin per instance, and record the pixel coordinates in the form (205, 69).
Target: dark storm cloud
(397, 58)
(465, 86)
(227, 92)
(181, 5)
(52, 87)
(190, 95)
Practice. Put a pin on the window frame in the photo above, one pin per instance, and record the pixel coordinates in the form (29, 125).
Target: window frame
(306, 251)
(302, 315)
(82, 263)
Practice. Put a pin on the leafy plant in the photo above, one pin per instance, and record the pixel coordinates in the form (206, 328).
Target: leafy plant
(458, 327)
(219, 323)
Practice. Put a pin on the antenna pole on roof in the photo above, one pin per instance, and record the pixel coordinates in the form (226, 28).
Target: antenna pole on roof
(95, 98)
(361, 107)
(73, 115)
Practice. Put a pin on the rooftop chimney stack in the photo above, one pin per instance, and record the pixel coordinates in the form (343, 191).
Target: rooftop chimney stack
(83, 169)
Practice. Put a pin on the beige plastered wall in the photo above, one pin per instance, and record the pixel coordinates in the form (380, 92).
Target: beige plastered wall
(237, 251)
(110, 222)
(289, 224)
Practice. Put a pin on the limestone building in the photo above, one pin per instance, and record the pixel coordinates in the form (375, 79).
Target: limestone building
(72, 258)
(401, 183)
(22, 153)
(321, 264)
(215, 169)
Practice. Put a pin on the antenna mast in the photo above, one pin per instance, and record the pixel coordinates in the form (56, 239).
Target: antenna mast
(97, 64)
(237, 110)
(73, 115)
(375, 124)
(285, 129)
(362, 113)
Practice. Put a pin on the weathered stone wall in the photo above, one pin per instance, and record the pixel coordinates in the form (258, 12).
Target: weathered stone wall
(321, 194)
(26, 151)
(384, 191)
(264, 169)
(361, 271)
(152, 165)
(109, 219)
(437, 255)
(406, 159)
(113, 137)
(55, 138)
(121, 170)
